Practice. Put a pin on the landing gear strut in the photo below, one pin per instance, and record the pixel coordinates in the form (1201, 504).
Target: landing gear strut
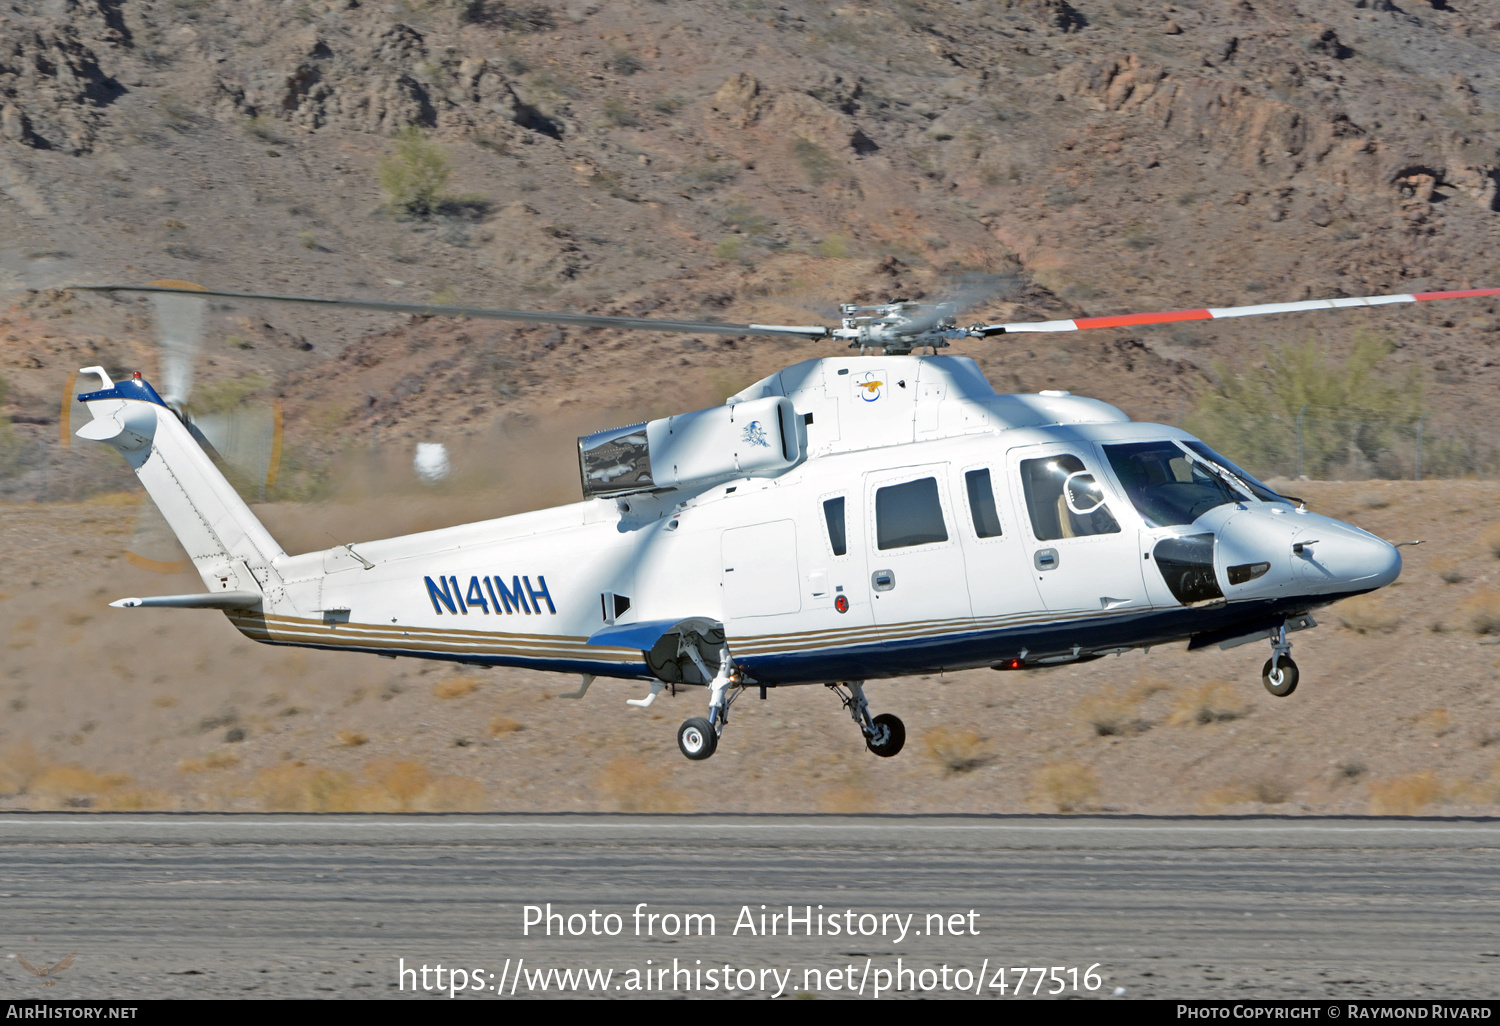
(884, 734)
(698, 738)
(1279, 675)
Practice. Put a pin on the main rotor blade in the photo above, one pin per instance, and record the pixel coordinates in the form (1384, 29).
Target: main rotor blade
(1129, 320)
(448, 310)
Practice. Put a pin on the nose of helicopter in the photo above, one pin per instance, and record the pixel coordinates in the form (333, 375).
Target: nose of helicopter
(1334, 556)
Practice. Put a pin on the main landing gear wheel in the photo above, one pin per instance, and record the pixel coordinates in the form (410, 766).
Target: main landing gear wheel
(1279, 675)
(894, 732)
(696, 738)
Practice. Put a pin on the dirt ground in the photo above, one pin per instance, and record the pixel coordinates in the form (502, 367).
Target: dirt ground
(160, 709)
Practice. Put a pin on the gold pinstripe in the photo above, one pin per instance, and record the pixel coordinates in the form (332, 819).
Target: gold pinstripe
(777, 644)
(295, 629)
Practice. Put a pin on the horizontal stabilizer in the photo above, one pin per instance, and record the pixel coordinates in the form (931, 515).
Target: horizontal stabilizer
(216, 600)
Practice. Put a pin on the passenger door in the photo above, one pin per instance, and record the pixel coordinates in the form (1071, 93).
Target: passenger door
(1082, 558)
(916, 564)
(998, 561)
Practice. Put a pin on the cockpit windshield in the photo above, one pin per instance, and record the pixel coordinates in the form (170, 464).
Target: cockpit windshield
(1260, 491)
(1168, 486)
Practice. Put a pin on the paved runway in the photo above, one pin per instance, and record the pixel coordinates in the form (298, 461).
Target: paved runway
(288, 906)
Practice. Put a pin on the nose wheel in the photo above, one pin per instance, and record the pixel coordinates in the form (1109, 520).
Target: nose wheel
(885, 735)
(1279, 675)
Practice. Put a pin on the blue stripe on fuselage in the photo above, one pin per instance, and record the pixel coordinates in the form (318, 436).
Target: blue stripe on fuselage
(973, 649)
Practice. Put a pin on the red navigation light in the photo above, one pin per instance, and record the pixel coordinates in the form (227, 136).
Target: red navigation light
(136, 375)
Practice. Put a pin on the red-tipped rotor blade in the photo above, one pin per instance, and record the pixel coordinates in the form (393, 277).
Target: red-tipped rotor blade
(1212, 314)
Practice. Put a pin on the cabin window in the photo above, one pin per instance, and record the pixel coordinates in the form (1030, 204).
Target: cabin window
(833, 513)
(982, 504)
(909, 514)
(1064, 499)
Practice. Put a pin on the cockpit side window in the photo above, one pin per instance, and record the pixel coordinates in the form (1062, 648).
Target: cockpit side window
(1064, 499)
(1166, 485)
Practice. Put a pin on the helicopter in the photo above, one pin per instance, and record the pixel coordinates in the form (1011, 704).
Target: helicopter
(846, 519)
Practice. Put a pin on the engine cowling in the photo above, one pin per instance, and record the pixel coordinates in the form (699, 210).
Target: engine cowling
(759, 438)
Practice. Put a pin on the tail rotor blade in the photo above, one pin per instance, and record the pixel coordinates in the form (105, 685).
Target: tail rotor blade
(179, 333)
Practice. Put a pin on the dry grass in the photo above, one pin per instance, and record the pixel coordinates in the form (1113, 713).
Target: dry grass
(1490, 539)
(1374, 500)
(350, 739)
(1214, 702)
(211, 761)
(23, 771)
(848, 800)
(1405, 795)
(1483, 612)
(1111, 713)
(455, 687)
(164, 701)
(386, 785)
(1264, 790)
(502, 725)
(1436, 720)
(955, 751)
(636, 787)
(1066, 786)
(18, 767)
(1367, 614)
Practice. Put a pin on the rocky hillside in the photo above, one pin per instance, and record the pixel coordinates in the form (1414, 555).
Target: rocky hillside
(737, 159)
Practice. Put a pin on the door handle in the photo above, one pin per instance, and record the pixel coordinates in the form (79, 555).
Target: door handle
(1046, 559)
(883, 580)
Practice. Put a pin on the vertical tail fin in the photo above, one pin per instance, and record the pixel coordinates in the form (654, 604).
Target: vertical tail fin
(230, 548)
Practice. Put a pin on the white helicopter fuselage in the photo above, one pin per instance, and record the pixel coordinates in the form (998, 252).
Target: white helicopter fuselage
(906, 520)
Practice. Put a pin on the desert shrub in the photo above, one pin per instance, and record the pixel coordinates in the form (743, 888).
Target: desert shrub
(1490, 539)
(623, 62)
(636, 787)
(1348, 409)
(817, 163)
(502, 725)
(1367, 614)
(350, 739)
(211, 761)
(955, 751)
(1483, 612)
(10, 445)
(18, 767)
(617, 113)
(1110, 713)
(455, 687)
(1067, 786)
(847, 799)
(413, 176)
(708, 175)
(1263, 790)
(386, 785)
(1405, 795)
(730, 247)
(1214, 702)
(835, 247)
(1449, 571)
